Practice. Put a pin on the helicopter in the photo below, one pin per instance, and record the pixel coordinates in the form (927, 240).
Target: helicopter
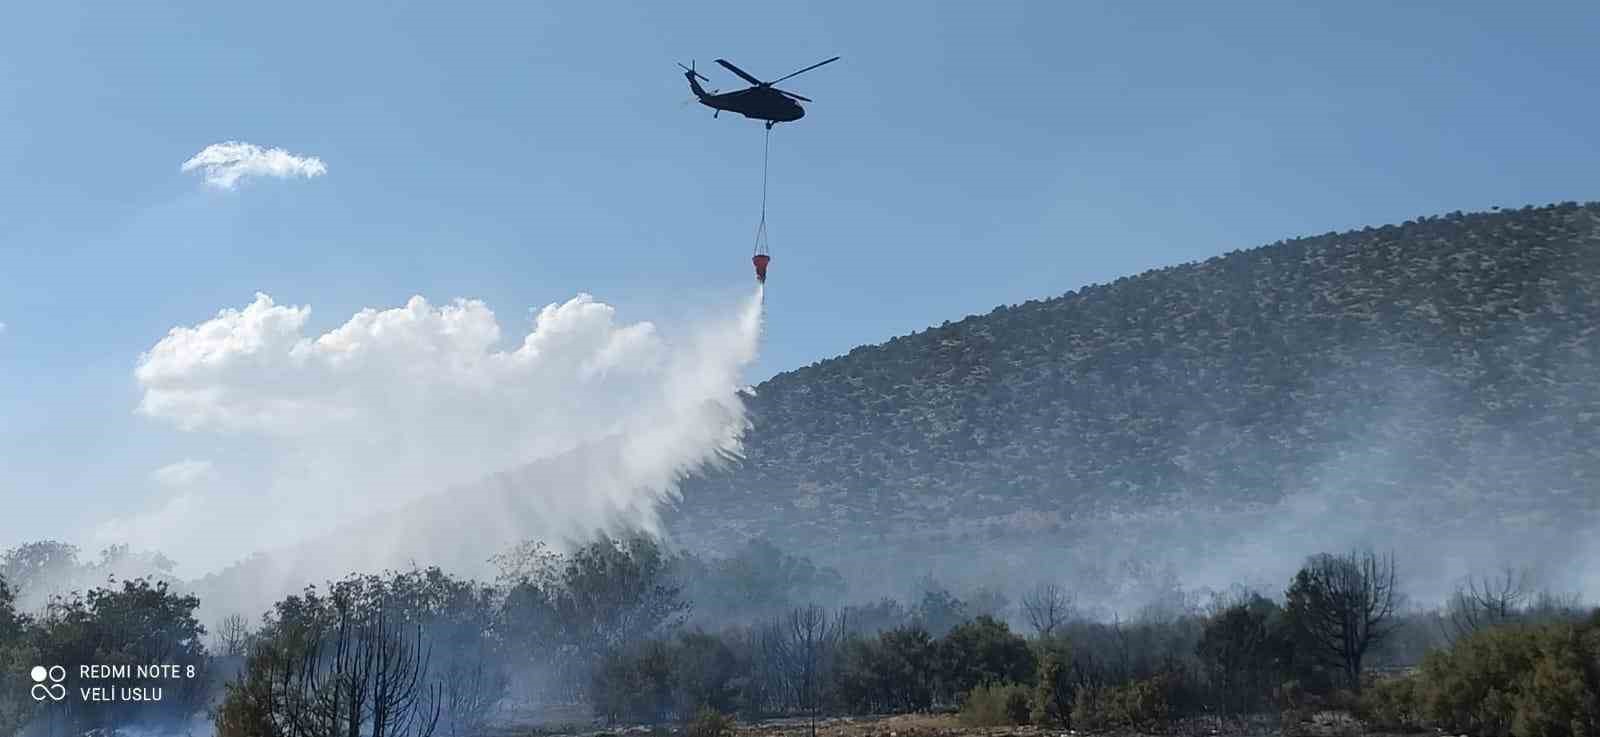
(761, 101)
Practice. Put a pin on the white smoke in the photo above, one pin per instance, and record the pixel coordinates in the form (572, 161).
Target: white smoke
(402, 414)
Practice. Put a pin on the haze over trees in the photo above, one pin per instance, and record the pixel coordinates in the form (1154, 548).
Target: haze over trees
(607, 626)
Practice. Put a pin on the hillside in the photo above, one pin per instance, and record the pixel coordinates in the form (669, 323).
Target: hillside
(1435, 376)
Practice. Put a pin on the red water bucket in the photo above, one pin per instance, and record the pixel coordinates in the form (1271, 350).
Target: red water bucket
(761, 260)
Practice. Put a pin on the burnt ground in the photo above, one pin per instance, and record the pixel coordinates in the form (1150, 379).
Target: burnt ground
(1324, 724)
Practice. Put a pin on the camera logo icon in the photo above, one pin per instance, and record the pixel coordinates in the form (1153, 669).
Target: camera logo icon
(47, 683)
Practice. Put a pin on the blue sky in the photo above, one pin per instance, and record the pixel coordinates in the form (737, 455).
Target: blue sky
(959, 156)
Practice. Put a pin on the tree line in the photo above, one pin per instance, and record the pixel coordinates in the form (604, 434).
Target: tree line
(619, 625)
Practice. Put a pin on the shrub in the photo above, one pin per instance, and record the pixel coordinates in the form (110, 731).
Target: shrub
(709, 723)
(1390, 704)
(1052, 696)
(1562, 695)
(1139, 704)
(1468, 686)
(996, 705)
(1516, 680)
(635, 685)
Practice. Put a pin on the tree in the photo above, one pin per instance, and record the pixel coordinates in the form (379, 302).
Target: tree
(569, 612)
(939, 610)
(758, 581)
(39, 570)
(353, 661)
(879, 616)
(987, 601)
(984, 651)
(704, 669)
(1486, 602)
(1047, 606)
(1343, 605)
(12, 624)
(1052, 695)
(892, 672)
(135, 624)
(1244, 653)
(634, 683)
(806, 648)
(15, 657)
(232, 636)
(47, 568)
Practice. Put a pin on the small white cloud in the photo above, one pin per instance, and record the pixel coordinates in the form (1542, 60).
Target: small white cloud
(224, 164)
(182, 474)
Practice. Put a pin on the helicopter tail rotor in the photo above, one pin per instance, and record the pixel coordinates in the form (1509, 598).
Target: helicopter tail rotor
(692, 73)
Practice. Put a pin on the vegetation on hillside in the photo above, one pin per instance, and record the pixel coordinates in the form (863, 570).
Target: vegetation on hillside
(1441, 364)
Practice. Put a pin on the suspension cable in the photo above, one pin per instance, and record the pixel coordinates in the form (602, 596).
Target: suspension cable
(766, 150)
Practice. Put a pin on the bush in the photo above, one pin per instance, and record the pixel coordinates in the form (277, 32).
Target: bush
(635, 685)
(1052, 695)
(1390, 704)
(709, 723)
(996, 705)
(1515, 680)
(1139, 704)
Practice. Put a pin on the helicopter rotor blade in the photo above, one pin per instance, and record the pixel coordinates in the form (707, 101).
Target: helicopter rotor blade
(802, 71)
(742, 73)
(787, 93)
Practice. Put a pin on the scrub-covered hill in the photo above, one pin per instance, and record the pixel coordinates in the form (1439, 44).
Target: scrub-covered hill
(1437, 376)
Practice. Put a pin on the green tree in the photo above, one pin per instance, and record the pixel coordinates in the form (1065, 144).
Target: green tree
(705, 670)
(758, 581)
(136, 624)
(984, 651)
(16, 656)
(1342, 606)
(938, 611)
(571, 611)
(892, 672)
(1244, 654)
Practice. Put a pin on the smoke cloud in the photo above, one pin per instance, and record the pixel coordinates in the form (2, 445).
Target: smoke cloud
(413, 434)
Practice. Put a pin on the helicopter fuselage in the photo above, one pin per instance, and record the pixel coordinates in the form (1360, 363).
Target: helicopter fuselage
(760, 103)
